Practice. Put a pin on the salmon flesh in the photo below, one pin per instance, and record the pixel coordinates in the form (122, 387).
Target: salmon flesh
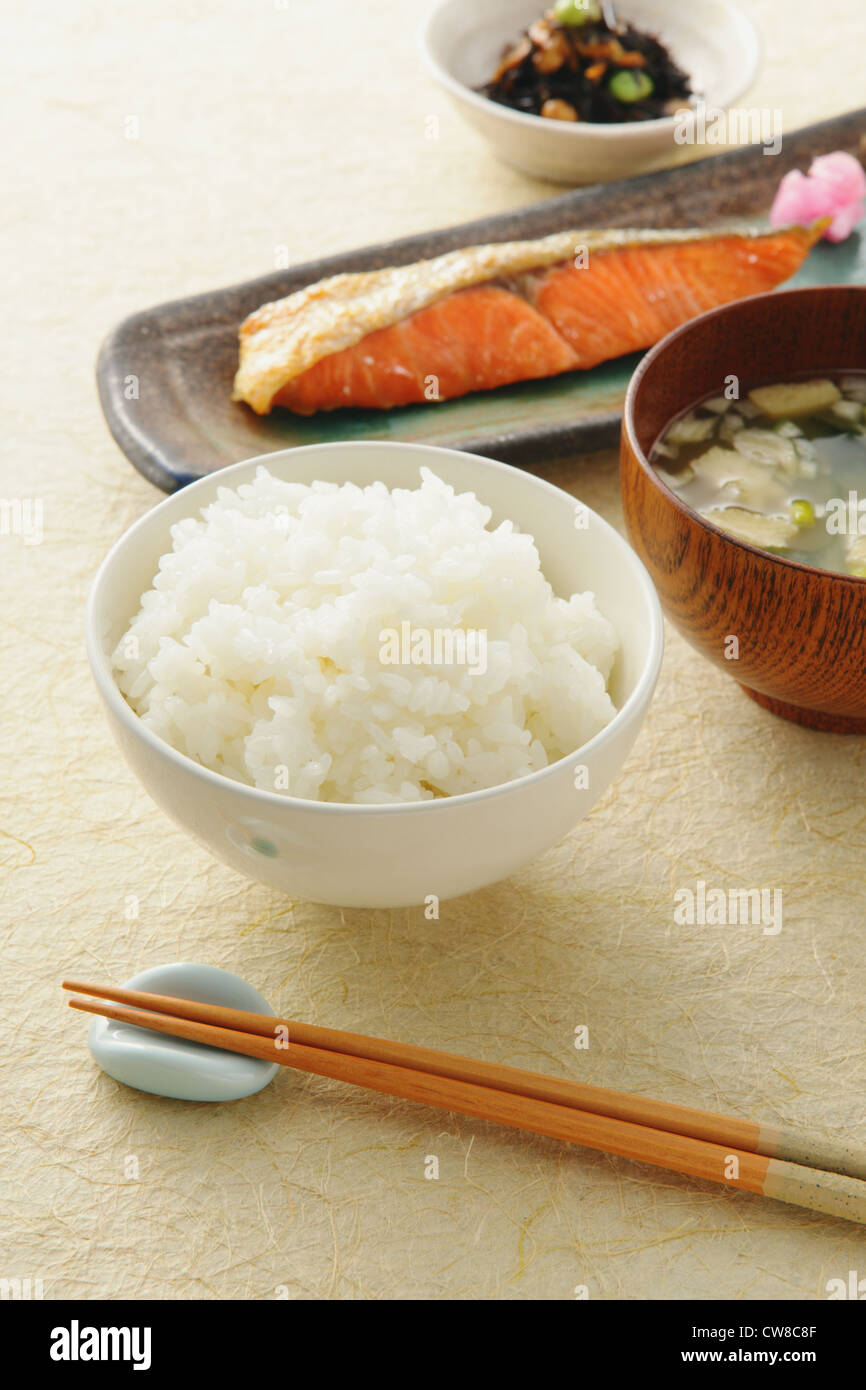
(487, 316)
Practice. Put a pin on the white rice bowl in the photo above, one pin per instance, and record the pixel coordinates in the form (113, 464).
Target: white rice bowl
(265, 647)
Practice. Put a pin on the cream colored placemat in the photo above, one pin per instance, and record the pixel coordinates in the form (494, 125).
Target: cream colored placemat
(166, 150)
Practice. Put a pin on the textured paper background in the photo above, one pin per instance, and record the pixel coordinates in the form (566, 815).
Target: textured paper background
(304, 126)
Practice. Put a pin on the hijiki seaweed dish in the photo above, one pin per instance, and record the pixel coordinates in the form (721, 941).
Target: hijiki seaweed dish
(579, 63)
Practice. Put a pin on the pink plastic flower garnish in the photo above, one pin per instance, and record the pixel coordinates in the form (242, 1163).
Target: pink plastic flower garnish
(835, 186)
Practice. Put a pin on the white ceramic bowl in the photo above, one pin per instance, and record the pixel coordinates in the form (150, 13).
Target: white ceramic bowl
(712, 40)
(389, 856)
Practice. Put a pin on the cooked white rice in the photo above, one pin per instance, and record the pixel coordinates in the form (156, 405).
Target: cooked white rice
(259, 649)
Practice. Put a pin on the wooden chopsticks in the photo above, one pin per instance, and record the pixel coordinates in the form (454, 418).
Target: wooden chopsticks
(737, 1153)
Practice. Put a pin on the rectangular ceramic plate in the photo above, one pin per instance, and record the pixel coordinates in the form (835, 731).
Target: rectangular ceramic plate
(184, 354)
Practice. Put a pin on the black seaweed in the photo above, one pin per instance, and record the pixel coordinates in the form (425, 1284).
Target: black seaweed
(524, 88)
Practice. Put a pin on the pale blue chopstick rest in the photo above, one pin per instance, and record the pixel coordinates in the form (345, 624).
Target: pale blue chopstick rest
(174, 1067)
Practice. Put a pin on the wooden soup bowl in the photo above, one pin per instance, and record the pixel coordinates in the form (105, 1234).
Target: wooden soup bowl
(800, 631)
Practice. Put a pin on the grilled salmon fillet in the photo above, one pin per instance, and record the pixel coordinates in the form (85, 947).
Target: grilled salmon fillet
(487, 316)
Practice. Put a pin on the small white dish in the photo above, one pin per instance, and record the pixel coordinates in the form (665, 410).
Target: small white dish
(711, 40)
(391, 856)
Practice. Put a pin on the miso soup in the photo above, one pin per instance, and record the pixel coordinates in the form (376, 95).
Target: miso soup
(784, 468)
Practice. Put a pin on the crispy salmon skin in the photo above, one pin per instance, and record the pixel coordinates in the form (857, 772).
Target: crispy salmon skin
(487, 316)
